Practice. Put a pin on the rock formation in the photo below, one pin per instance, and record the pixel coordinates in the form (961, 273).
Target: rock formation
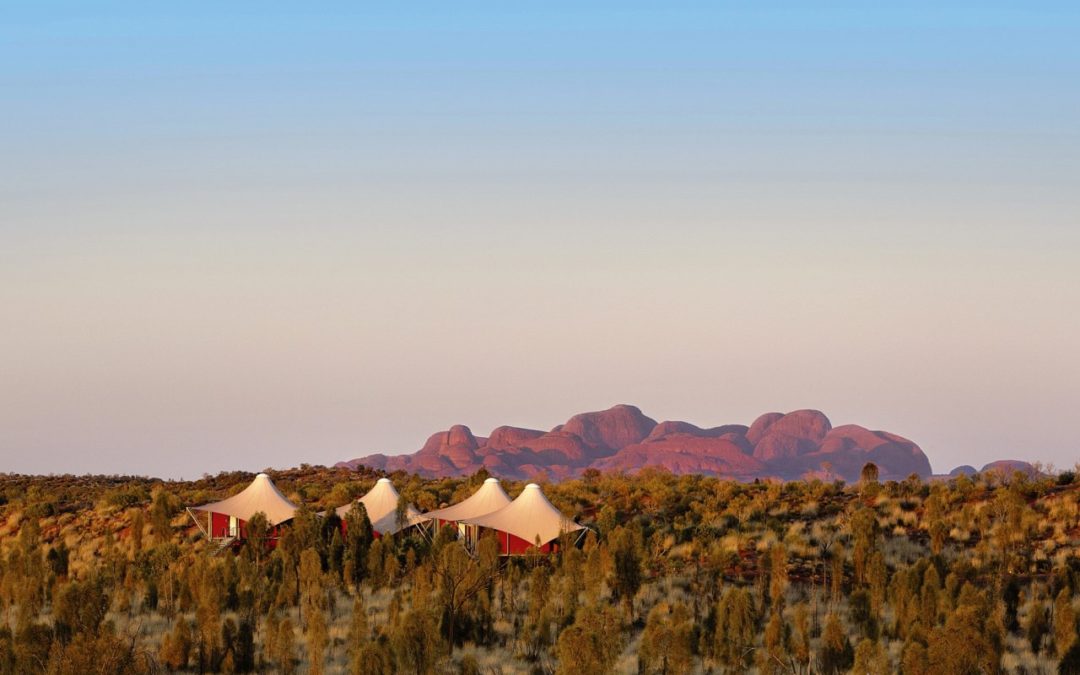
(622, 438)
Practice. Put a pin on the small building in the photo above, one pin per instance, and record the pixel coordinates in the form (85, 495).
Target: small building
(528, 521)
(381, 503)
(226, 521)
(488, 498)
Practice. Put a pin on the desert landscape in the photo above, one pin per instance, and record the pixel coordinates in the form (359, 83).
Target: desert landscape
(677, 574)
(561, 338)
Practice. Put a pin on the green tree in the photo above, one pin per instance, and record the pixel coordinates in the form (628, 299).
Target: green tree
(869, 473)
(1070, 662)
(800, 643)
(358, 539)
(627, 556)
(667, 644)
(778, 577)
(1036, 625)
(208, 617)
(175, 650)
(870, 658)
(861, 613)
(864, 530)
(244, 654)
(877, 576)
(837, 559)
(257, 530)
(595, 564)
(591, 645)
(966, 644)
(837, 654)
(929, 597)
(314, 604)
(138, 523)
(285, 647)
(773, 657)
(28, 574)
(736, 626)
(102, 654)
(1064, 622)
(913, 659)
(79, 608)
(536, 631)
(460, 579)
(161, 515)
(415, 641)
(358, 636)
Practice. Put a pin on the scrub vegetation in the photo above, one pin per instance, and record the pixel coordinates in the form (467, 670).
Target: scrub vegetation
(678, 574)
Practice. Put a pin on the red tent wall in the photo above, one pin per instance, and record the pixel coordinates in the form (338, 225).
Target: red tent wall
(219, 526)
(219, 529)
(345, 530)
(513, 545)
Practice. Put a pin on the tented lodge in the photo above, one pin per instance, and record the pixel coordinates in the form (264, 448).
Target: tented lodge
(530, 520)
(381, 503)
(490, 497)
(226, 521)
(519, 525)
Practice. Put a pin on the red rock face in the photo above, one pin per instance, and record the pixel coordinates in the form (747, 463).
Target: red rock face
(666, 428)
(845, 450)
(623, 439)
(686, 453)
(1009, 466)
(560, 445)
(457, 447)
(850, 436)
(610, 429)
(761, 425)
(510, 437)
(791, 435)
(963, 470)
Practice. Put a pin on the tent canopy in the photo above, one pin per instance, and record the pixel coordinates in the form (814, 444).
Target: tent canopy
(488, 498)
(381, 502)
(262, 495)
(529, 517)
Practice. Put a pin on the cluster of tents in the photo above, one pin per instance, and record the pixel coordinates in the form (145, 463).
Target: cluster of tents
(528, 522)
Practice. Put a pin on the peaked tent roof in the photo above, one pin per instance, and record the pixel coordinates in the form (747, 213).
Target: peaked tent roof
(262, 495)
(488, 498)
(529, 516)
(381, 504)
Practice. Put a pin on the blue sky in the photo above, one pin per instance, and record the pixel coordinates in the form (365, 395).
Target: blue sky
(250, 235)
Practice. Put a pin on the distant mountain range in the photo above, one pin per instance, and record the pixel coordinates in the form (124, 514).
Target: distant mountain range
(777, 445)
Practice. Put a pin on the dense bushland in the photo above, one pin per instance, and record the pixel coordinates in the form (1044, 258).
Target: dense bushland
(679, 574)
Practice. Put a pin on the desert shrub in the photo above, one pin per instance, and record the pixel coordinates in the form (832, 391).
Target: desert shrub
(127, 497)
(934, 585)
(39, 510)
(837, 654)
(469, 665)
(1070, 662)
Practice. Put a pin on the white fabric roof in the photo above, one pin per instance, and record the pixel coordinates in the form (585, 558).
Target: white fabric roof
(488, 498)
(262, 495)
(529, 516)
(381, 505)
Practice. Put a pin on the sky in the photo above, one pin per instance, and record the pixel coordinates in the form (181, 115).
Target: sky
(250, 235)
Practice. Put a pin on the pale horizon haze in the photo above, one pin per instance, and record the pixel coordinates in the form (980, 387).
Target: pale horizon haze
(239, 237)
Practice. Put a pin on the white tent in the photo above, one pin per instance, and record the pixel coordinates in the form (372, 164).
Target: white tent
(528, 518)
(381, 504)
(488, 498)
(262, 496)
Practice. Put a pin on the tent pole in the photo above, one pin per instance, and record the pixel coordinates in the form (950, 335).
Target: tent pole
(581, 534)
(201, 528)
